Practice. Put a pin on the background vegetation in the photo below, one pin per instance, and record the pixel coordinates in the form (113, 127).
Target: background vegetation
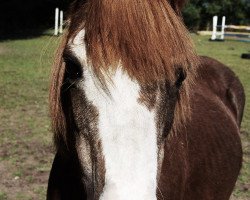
(198, 13)
(26, 18)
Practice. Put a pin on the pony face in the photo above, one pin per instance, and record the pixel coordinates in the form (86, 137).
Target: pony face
(119, 130)
(117, 93)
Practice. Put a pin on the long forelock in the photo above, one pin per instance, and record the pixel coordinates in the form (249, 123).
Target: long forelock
(147, 37)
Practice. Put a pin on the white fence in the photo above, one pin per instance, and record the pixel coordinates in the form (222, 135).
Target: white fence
(219, 33)
(216, 33)
(58, 22)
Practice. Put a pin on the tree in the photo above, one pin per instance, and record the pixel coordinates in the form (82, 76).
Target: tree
(192, 16)
(237, 12)
(25, 18)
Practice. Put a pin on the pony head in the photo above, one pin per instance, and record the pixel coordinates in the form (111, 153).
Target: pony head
(118, 91)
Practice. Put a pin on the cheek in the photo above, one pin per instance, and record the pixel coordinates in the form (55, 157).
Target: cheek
(84, 154)
(88, 145)
(160, 159)
(85, 118)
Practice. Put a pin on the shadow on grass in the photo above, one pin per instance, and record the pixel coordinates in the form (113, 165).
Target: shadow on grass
(27, 34)
(23, 19)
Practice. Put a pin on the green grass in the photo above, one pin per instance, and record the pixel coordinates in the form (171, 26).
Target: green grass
(25, 143)
(3, 196)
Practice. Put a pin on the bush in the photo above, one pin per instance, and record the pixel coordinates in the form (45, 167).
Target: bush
(191, 16)
(198, 13)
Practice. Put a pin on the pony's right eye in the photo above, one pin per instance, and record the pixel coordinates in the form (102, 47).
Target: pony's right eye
(73, 69)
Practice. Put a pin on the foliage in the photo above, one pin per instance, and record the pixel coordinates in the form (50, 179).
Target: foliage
(28, 17)
(191, 15)
(25, 18)
(198, 13)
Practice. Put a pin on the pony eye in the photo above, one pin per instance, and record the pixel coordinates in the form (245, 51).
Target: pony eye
(181, 76)
(73, 69)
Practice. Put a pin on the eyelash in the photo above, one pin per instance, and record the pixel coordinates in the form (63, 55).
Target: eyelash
(73, 70)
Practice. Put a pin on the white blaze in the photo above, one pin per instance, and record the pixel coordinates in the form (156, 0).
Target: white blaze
(127, 130)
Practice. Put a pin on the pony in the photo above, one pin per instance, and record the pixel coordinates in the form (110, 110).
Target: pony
(136, 113)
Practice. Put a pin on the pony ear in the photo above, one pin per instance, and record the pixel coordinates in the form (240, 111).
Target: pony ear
(177, 5)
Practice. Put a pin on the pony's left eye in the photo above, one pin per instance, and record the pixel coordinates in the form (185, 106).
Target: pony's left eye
(180, 77)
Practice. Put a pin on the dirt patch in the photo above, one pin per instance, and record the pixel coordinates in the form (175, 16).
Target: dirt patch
(25, 156)
(3, 50)
(24, 172)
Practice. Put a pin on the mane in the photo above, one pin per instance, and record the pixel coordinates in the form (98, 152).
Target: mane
(146, 37)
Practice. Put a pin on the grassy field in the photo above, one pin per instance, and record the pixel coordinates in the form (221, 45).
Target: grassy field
(25, 142)
(25, 139)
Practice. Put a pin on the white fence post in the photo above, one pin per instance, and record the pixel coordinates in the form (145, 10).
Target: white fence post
(61, 22)
(215, 22)
(56, 21)
(223, 28)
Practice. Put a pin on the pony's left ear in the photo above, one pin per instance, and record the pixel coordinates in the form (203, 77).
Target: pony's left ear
(177, 5)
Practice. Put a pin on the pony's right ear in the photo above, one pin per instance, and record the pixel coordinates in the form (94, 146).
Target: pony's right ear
(177, 5)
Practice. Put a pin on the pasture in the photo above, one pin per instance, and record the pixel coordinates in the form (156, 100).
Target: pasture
(26, 148)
